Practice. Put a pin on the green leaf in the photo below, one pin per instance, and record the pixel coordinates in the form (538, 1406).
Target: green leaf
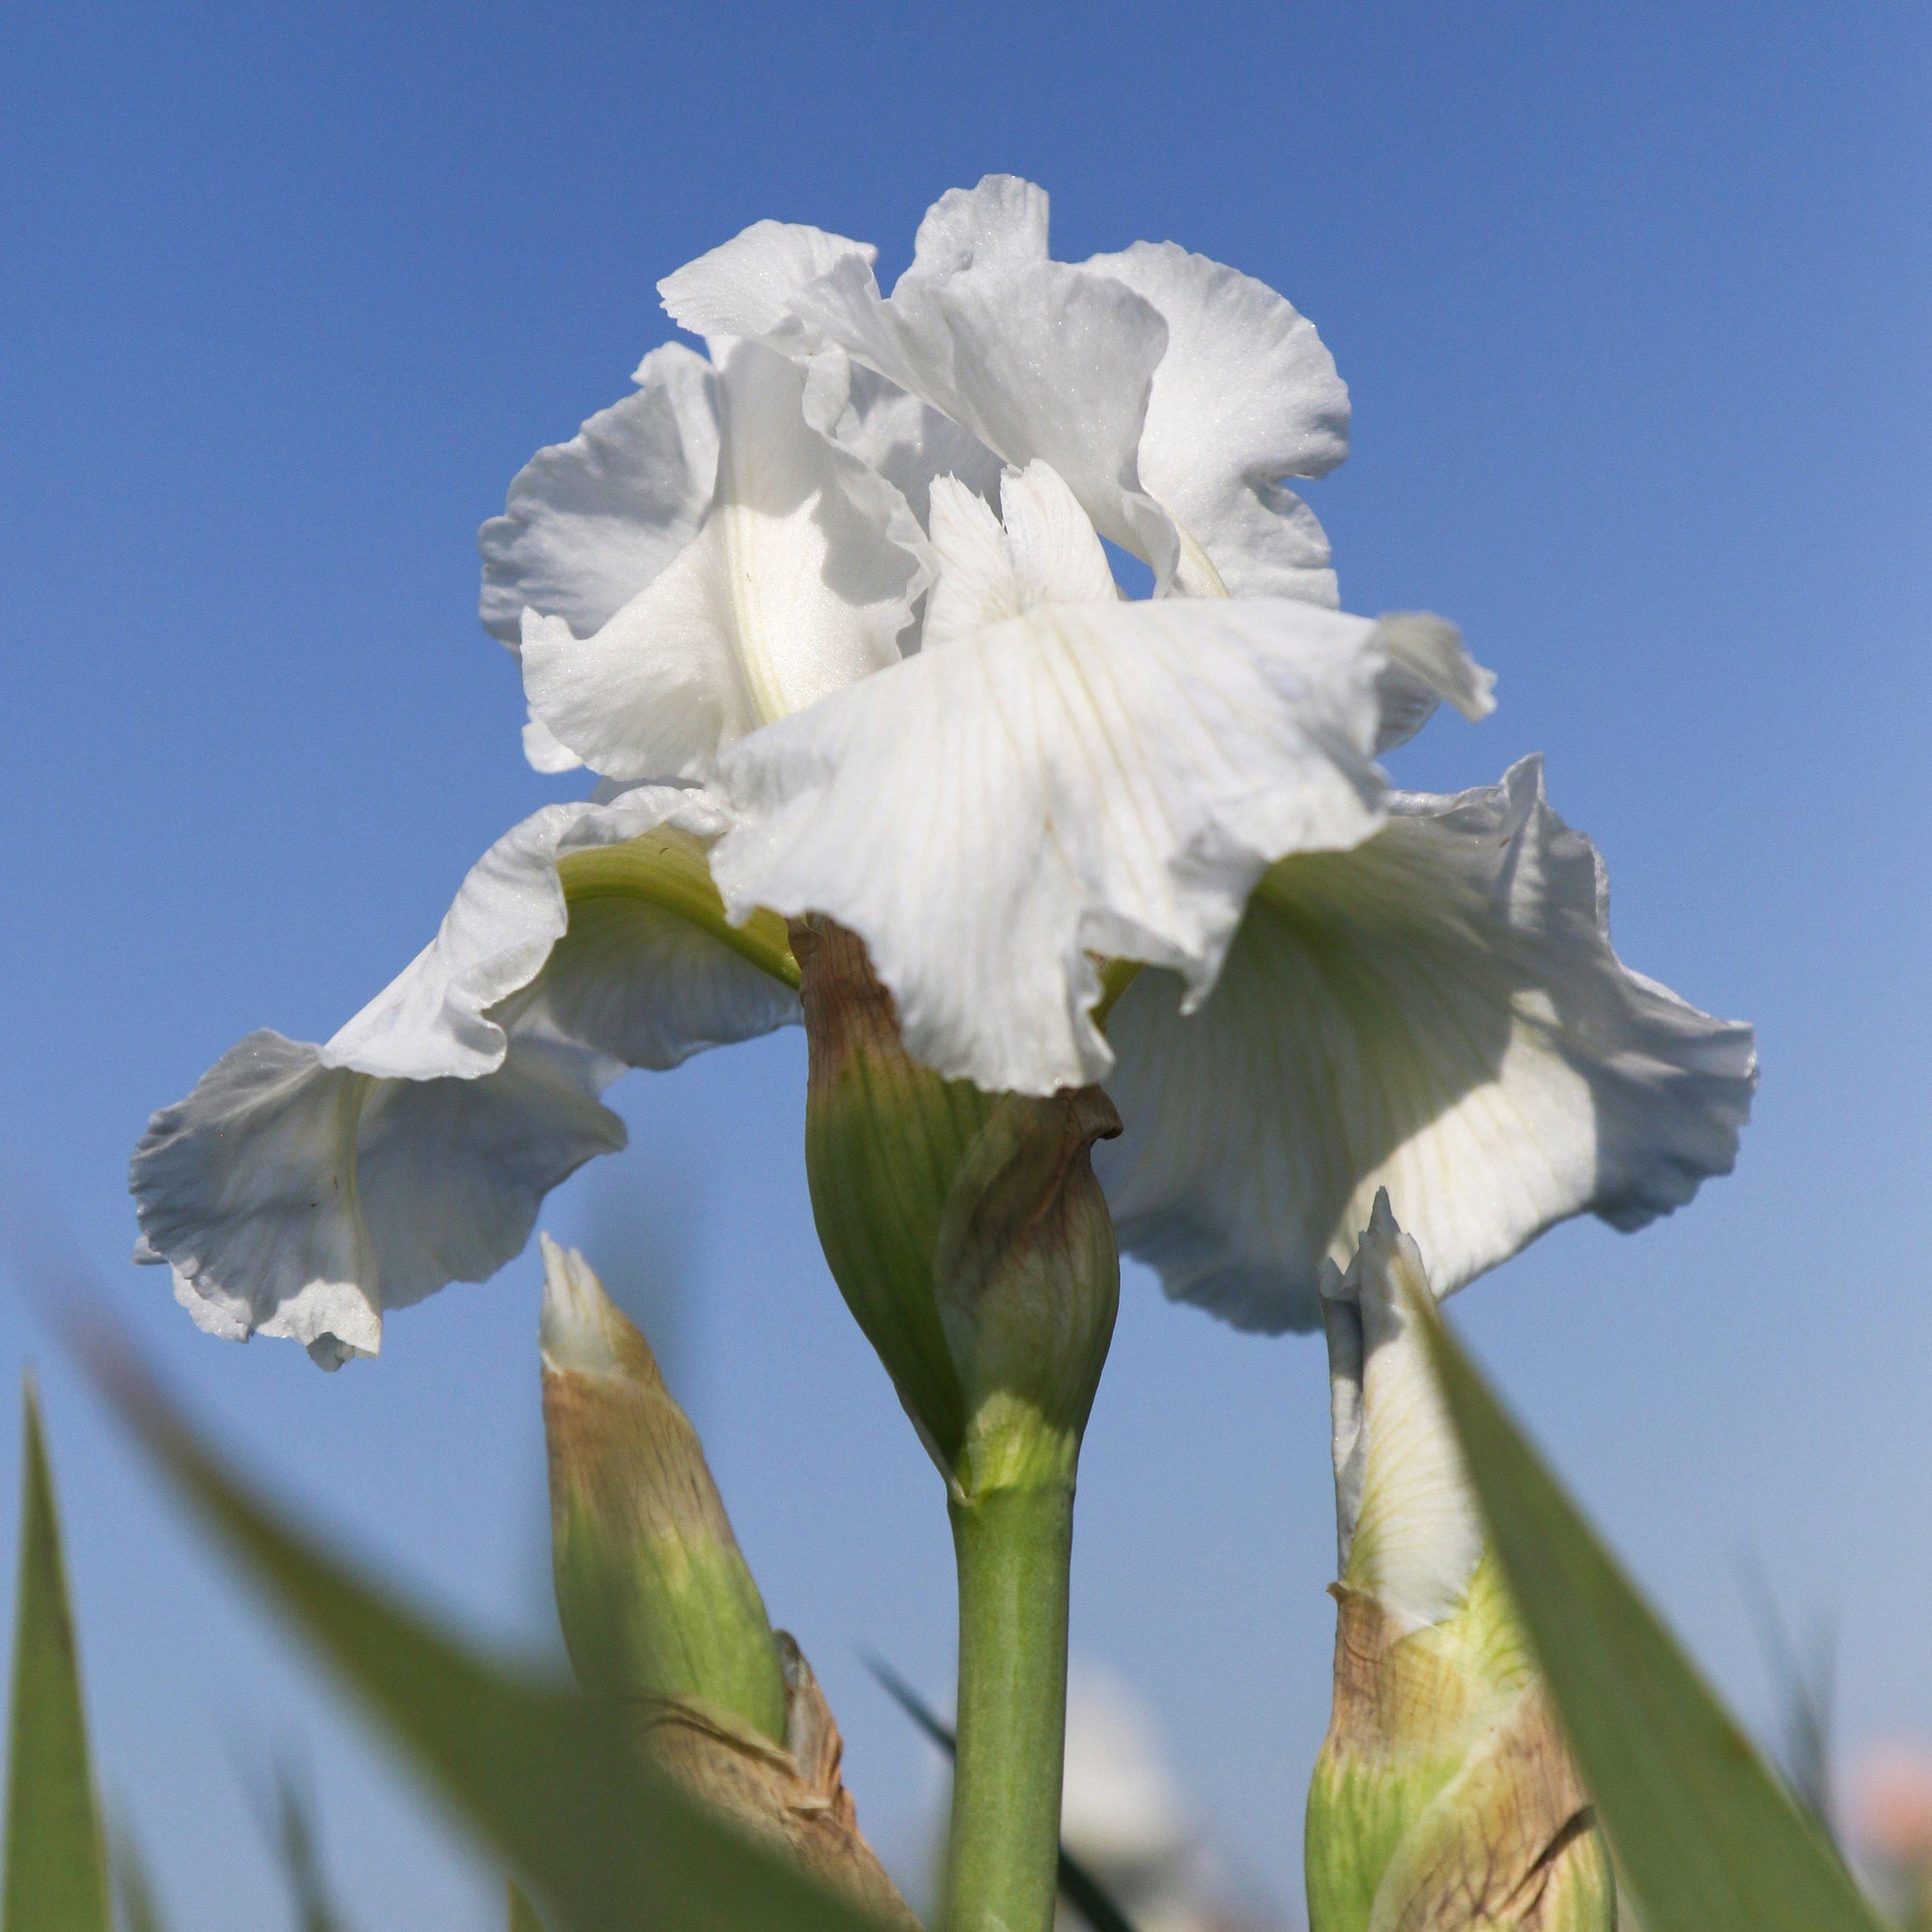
(544, 1776)
(1704, 1834)
(56, 1851)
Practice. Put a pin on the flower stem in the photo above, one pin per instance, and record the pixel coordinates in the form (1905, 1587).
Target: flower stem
(1013, 1545)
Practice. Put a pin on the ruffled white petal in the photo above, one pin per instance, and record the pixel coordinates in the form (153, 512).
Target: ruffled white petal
(543, 753)
(1245, 395)
(1173, 393)
(803, 575)
(910, 444)
(1001, 223)
(1408, 1526)
(1035, 358)
(590, 522)
(747, 286)
(1427, 666)
(302, 1190)
(1438, 1012)
(1095, 779)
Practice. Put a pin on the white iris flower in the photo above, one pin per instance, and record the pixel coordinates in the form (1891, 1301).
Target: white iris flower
(830, 615)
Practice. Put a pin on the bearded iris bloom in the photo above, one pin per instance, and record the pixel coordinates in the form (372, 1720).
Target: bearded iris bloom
(829, 614)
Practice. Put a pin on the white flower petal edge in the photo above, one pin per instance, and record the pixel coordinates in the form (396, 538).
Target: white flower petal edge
(542, 752)
(1082, 780)
(589, 523)
(302, 1190)
(1407, 1527)
(1245, 395)
(1427, 666)
(1438, 1012)
(802, 576)
(747, 286)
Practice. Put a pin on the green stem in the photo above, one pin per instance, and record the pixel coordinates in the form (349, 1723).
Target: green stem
(1013, 1547)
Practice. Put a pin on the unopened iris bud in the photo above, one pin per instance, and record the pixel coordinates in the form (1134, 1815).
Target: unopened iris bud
(659, 1607)
(966, 1230)
(1443, 1793)
(652, 1589)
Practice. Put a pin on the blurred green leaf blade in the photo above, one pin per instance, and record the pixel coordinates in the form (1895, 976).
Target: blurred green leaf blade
(140, 1903)
(296, 1840)
(545, 1777)
(1704, 1834)
(56, 1850)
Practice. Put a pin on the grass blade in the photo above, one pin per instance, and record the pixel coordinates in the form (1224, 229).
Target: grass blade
(56, 1851)
(1706, 1837)
(543, 1777)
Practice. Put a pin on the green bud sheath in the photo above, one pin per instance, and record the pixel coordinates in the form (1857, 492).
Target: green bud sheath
(651, 1588)
(1444, 1796)
(883, 1139)
(965, 1230)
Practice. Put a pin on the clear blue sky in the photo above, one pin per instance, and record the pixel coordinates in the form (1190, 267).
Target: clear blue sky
(1633, 303)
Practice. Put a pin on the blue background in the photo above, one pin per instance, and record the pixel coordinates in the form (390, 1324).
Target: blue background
(1633, 303)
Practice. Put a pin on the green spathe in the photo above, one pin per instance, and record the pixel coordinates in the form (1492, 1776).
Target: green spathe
(1443, 1777)
(660, 1611)
(544, 1776)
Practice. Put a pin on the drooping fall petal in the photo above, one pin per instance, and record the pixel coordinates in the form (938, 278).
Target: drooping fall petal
(302, 1190)
(1437, 1012)
(1079, 781)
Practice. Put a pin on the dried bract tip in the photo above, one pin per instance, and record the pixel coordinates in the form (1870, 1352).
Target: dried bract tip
(789, 1792)
(581, 1329)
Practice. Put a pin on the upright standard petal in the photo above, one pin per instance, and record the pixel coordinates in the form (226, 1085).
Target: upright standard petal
(1035, 358)
(1172, 392)
(302, 1190)
(746, 287)
(1245, 395)
(800, 581)
(590, 522)
(749, 289)
(1438, 1012)
(910, 444)
(1082, 780)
